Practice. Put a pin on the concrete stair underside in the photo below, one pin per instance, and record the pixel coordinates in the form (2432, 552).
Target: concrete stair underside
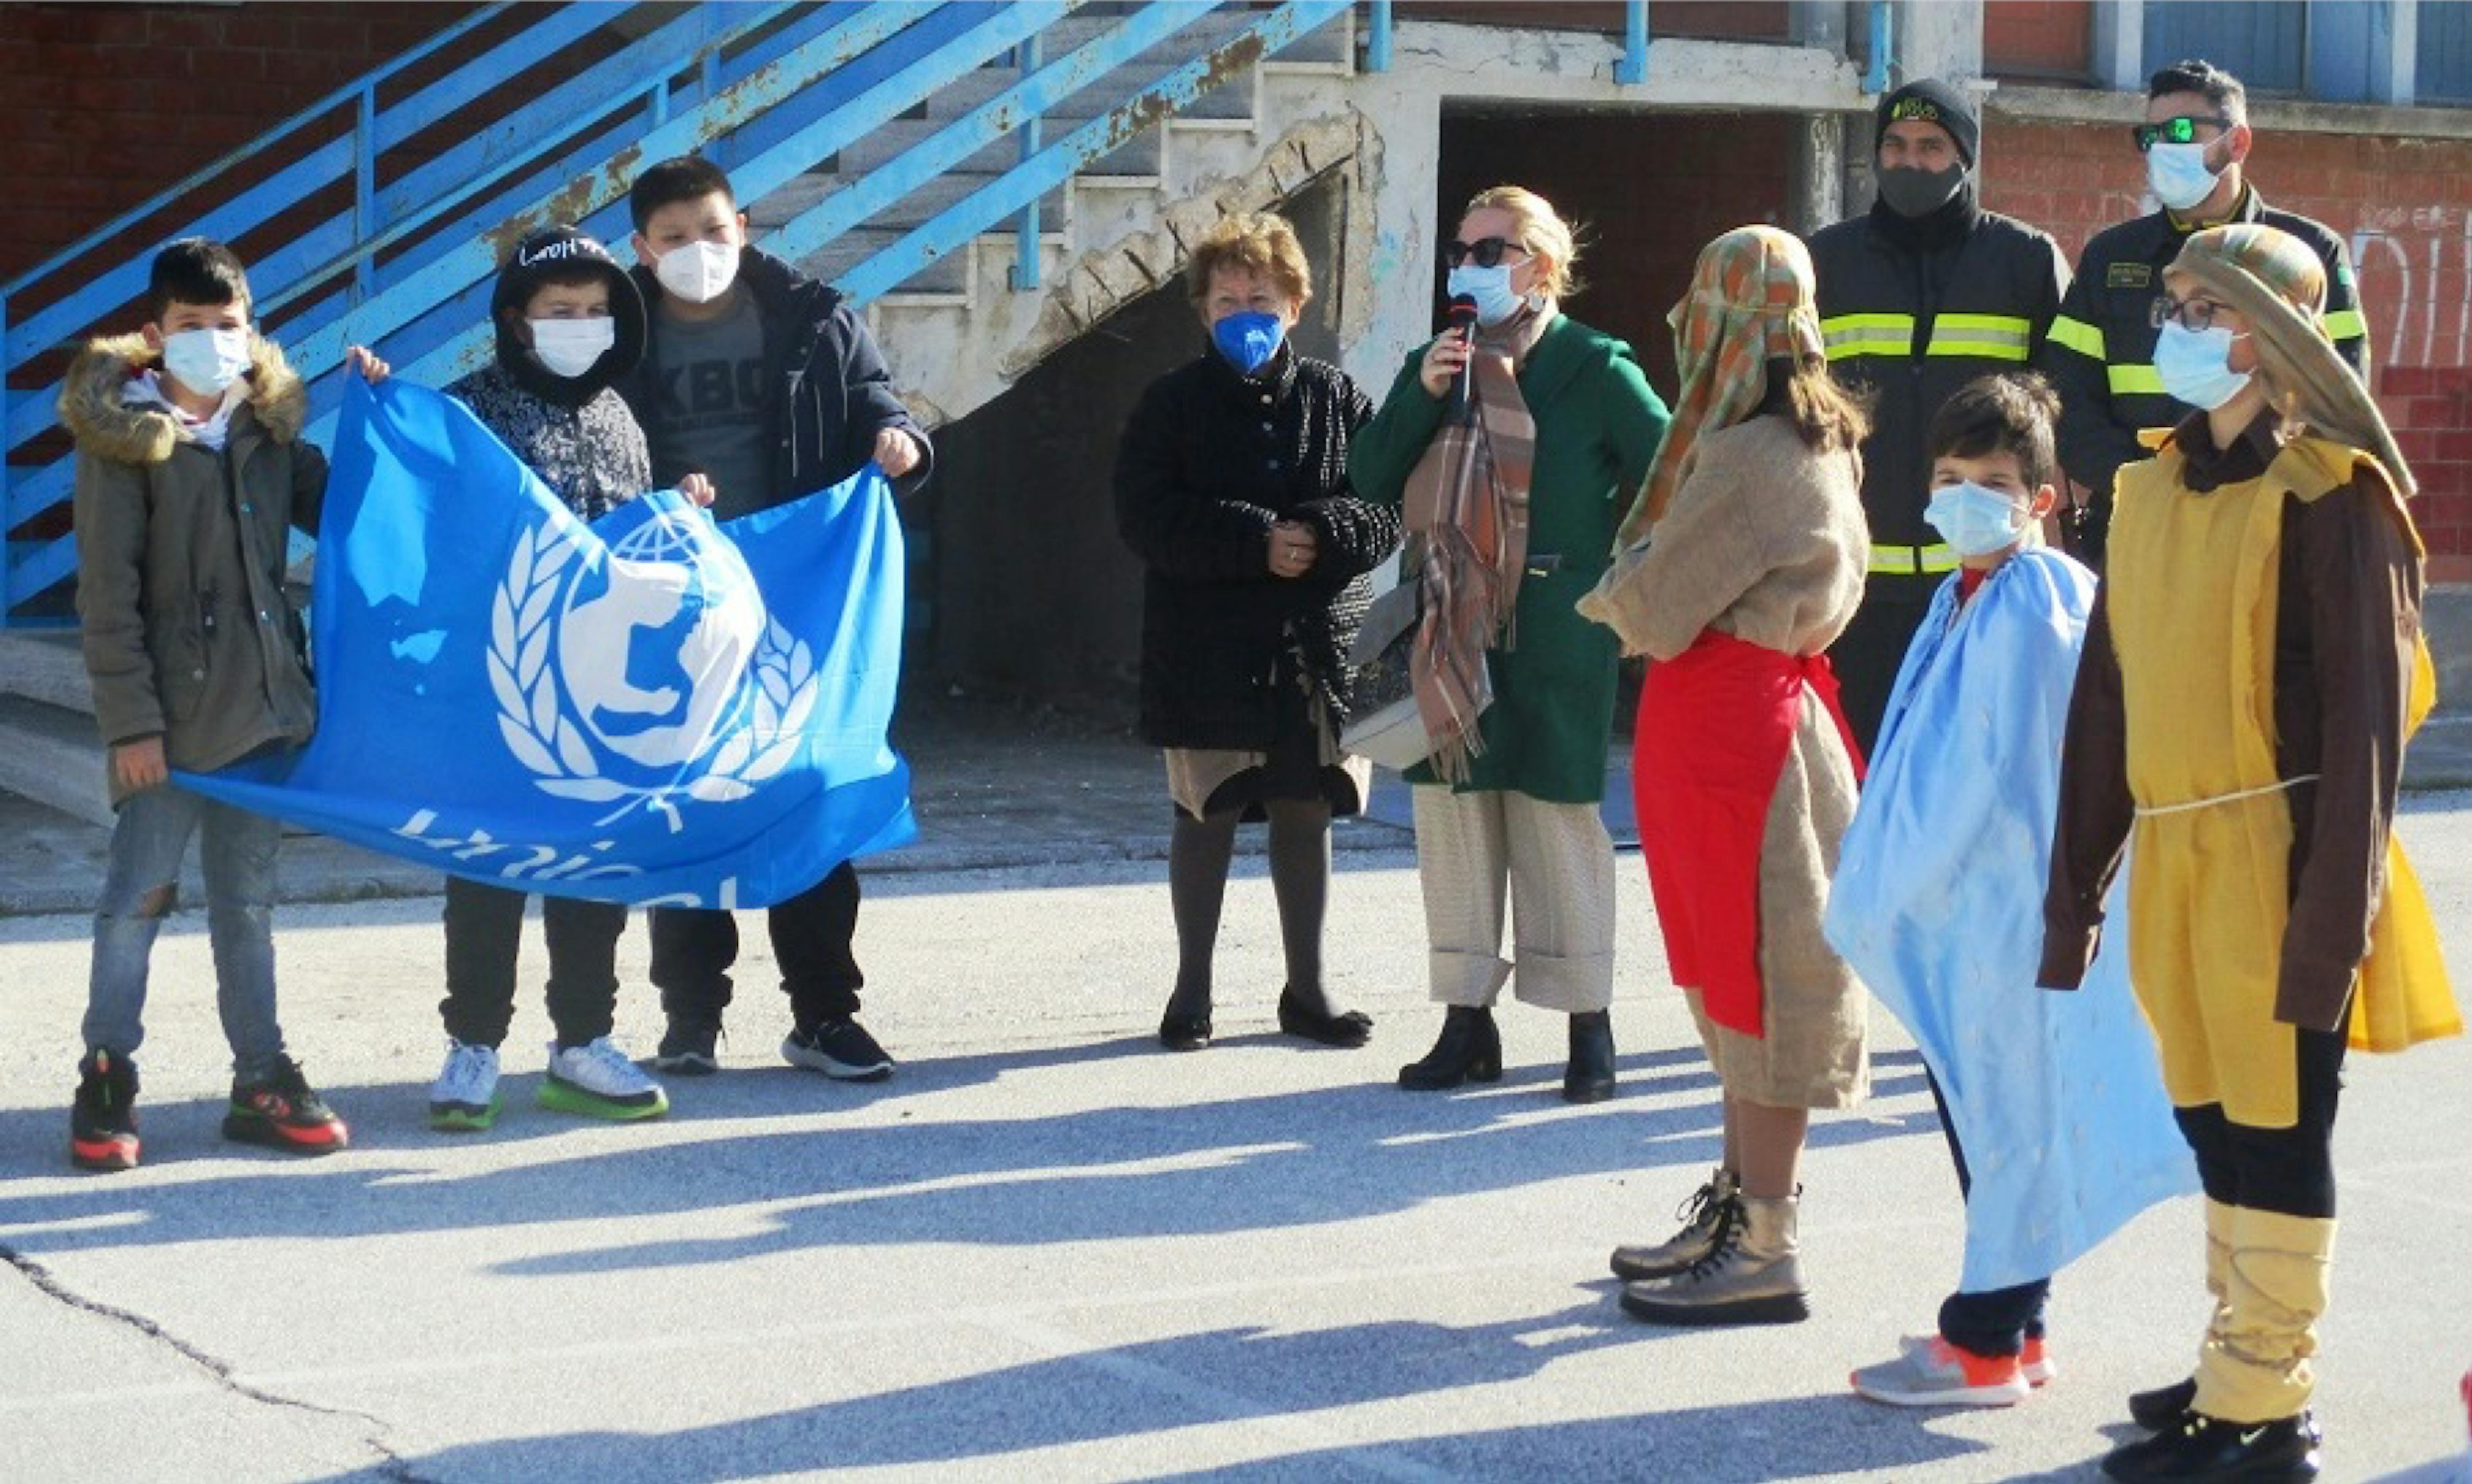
(49, 750)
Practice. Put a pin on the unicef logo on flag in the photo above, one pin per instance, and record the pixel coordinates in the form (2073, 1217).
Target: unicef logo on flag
(649, 673)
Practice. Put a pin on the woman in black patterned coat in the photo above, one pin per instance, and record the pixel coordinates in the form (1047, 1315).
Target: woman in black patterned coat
(1231, 485)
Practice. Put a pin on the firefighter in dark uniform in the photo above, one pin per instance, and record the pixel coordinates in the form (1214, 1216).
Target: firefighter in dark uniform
(2101, 353)
(1920, 296)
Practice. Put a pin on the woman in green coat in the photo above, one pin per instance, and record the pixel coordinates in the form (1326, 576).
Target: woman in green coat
(1512, 511)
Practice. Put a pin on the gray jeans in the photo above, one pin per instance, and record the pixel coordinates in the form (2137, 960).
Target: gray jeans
(139, 889)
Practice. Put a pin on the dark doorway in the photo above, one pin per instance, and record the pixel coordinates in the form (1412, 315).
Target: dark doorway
(1649, 190)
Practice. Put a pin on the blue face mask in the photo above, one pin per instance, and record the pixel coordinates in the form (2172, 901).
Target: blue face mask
(2178, 175)
(2192, 364)
(1247, 338)
(1975, 520)
(1489, 287)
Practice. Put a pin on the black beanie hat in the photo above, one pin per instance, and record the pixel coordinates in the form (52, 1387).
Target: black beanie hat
(1931, 101)
(560, 249)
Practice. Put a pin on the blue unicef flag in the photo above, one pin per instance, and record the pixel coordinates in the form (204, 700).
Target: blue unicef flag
(649, 709)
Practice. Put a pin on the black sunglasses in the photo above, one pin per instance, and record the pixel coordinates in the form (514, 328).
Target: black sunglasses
(2174, 130)
(1488, 252)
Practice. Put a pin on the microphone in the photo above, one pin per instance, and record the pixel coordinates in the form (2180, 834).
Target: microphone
(1462, 316)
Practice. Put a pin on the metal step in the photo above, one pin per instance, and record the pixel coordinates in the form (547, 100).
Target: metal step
(45, 665)
(51, 755)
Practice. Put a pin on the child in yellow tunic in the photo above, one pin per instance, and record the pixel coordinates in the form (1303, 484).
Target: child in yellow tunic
(2250, 672)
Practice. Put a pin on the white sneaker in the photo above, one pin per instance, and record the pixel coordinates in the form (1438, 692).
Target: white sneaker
(465, 1097)
(596, 1080)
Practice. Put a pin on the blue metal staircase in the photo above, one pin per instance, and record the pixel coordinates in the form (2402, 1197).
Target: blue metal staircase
(876, 140)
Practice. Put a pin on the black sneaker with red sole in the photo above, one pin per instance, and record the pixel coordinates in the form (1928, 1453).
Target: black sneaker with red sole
(279, 1110)
(102, 1118)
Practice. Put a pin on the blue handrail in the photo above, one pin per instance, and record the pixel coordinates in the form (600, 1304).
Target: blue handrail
(412, 199)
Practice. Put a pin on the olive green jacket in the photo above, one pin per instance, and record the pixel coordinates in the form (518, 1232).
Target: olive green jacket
(1598, 425)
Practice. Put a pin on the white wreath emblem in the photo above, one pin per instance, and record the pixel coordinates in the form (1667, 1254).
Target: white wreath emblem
(553, 745)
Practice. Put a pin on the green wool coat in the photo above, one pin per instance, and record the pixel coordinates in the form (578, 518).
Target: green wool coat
(1598, 425)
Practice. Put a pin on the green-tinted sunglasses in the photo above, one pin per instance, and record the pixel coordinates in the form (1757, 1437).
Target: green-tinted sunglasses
(2174, 130)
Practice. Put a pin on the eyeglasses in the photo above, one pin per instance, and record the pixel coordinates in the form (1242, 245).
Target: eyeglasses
(2194, 314)
(2174, 130)
(1486, 251)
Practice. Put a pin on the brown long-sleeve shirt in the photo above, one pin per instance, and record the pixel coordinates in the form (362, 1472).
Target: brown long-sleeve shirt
(2348, 621)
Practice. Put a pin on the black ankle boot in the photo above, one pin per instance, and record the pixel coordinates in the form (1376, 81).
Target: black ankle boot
(1590, 1076)
(1469, 1049)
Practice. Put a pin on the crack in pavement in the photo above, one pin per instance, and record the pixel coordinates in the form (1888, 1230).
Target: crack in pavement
(392, 1466)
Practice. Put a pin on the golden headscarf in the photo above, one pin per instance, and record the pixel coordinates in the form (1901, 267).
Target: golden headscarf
(2278, 284)
(1751, 299)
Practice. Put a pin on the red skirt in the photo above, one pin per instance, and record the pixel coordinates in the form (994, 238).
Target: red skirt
(1715, 725)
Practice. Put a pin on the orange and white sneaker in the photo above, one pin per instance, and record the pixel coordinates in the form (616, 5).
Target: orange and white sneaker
(1938, 1373)
(2034, 1362)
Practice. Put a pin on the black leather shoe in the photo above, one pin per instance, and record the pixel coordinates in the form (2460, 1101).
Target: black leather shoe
(1469, 1049)
(2282, 1451)
(1183, 1032)
(1341, 1028)
(2157, 1409)
(1590, 1076)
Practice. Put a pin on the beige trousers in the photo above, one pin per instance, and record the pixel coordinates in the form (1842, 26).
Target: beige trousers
(1558, 864)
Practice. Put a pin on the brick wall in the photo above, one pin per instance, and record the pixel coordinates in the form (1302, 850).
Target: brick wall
(104, 105)
(2038, 40)
(2406, 208)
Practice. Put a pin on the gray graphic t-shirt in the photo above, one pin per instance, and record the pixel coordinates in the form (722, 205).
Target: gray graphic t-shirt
(709, 375)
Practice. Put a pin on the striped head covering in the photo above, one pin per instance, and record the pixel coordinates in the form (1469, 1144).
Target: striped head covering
(1751, 299)
(2278, 284)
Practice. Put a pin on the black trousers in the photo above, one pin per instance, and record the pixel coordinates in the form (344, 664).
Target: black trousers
(1998, 1321)
(693, 948)
(2289, 1171)
(485, 929)
(1867, 655)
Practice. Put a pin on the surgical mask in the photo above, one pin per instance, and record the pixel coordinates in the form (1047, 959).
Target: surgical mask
(569, 348)
(2178, 175)
(1974, 520)
(1918, 193)
(2193, 365)
(206, 361)
(698, 272)
(1489, 287)
(1247, 339)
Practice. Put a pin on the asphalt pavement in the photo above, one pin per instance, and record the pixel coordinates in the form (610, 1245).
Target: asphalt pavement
(1048, 1249)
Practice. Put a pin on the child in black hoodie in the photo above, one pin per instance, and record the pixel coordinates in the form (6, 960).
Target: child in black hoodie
(569, 323)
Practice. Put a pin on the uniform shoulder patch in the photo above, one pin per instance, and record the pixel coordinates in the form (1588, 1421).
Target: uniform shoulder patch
(2129, 276)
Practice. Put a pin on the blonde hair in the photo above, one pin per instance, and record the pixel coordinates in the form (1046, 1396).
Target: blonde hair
(1261, 242)
(1541, 232)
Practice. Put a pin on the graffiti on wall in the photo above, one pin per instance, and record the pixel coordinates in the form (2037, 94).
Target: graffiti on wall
(2415, 272)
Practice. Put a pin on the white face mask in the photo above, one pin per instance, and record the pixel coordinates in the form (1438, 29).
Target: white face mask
(698, 272)
(2178, 175)
(569, 348)
(206, 361)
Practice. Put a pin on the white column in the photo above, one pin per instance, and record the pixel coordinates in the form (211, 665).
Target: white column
(2119, 44)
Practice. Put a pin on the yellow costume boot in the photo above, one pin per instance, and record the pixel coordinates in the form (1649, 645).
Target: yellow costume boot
(2255, 1366)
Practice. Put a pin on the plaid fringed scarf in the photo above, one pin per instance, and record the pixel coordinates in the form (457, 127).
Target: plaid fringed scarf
(1467, 504)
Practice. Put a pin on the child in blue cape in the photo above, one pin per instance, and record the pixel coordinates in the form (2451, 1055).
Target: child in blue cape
(2053, 1105)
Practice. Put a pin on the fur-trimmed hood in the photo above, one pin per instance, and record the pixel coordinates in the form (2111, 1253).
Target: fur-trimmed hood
(95, 409)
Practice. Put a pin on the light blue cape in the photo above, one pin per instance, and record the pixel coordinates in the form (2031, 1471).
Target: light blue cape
(2057, 1097)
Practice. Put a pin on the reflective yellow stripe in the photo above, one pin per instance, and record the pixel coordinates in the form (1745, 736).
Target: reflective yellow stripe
(1994, 337)
(2078, 336)
(1868, 334)
(2346, 324)
(2129, 380)
(1914, 560)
